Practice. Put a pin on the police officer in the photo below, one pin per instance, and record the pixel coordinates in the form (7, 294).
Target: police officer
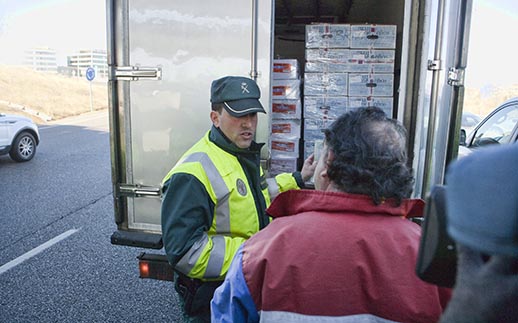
(216, 195)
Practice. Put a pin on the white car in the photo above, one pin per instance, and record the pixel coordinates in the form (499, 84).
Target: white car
(19, 137)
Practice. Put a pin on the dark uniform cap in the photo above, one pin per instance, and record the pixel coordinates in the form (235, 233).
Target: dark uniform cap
(240, 95)
(482, 200)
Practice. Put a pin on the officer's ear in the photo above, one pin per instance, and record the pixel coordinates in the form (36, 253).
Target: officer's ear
(215, 118)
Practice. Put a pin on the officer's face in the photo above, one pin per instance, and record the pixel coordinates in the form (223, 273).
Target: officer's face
(240, 131)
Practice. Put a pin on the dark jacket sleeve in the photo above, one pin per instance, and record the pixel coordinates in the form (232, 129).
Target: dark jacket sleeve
(187, 212)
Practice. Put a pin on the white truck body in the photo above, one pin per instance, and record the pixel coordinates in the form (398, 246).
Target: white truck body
(163, 56)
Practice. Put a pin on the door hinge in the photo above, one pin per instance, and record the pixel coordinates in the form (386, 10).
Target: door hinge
(456, 76)
(137, 190)
(434, 64)
(136, 73)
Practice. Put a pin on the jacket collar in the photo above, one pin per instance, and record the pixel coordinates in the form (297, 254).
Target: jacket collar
(297, 201)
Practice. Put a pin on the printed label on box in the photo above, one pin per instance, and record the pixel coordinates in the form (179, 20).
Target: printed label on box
(373, 36)
(281, 68)
(286, 89)
(287, 129)
(284, 147)
(328, 36)
(372, 60)
(286, 109)
(384, 103)
(285, 69)
(371, 84)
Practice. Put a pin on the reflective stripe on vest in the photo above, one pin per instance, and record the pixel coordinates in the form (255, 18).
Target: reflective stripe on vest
(217, 256)
(222, 213)
(187, 262)
(220, 189)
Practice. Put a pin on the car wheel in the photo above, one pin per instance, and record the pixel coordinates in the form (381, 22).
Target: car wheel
(24, 147)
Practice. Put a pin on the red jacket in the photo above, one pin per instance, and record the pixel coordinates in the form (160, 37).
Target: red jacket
(339, 255)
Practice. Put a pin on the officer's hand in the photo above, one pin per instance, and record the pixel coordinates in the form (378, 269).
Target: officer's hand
(308, 169)
(484, 291)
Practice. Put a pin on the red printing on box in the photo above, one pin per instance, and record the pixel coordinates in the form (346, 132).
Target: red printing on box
(284, 108)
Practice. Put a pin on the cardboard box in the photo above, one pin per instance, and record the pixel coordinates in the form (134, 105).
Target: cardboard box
(309, 148)
(327, 54)
(371, 84)
(286, 129)
(286, 109)
(314, 128)
(327, 60)
(331, 84)
(286, 89)
(328, 36)
(371, 60)
(285, 69)
(373, 36)
(327, 67)
(320, 107)
(284, 148)
(384, 103)
(282, 165)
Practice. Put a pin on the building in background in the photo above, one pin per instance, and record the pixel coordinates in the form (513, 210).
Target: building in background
(85, 58)
(41, 59)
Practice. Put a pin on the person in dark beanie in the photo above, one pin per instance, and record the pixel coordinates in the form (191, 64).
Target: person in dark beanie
(216, 195)
(482, 219)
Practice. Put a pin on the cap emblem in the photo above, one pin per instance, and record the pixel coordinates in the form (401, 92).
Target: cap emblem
(244, 87)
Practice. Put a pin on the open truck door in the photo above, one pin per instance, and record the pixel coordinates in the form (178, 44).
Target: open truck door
(435, 118)
(163, 56)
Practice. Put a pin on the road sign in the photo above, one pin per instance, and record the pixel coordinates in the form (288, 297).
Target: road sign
(90, 74)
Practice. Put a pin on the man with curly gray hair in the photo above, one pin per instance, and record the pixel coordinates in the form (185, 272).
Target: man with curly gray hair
(345, 251)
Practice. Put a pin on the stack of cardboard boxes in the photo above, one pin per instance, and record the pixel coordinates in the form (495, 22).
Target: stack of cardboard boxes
(371, 66)
(286, 116)
(347, 67)
(325, 79)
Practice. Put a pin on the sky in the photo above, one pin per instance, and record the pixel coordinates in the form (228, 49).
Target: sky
(69, 25)
(63, 25)
(493, 47)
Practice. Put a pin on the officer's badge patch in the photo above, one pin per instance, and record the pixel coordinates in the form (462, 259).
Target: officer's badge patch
(241, 187)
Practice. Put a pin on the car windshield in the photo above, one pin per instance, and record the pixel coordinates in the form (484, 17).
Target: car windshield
(470, 120)
(499, 128)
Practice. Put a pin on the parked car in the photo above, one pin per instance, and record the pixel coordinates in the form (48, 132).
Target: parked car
(498, 128)
(19, 137)
(469, 121)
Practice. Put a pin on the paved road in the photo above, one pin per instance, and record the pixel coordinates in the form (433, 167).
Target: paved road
(56, 218)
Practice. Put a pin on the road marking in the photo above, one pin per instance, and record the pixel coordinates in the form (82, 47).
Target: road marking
(37, 250)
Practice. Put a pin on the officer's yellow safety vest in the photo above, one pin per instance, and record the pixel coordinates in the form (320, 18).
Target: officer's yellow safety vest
(235, 215)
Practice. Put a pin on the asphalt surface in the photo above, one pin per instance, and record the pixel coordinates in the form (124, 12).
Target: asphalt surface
(56, 217)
